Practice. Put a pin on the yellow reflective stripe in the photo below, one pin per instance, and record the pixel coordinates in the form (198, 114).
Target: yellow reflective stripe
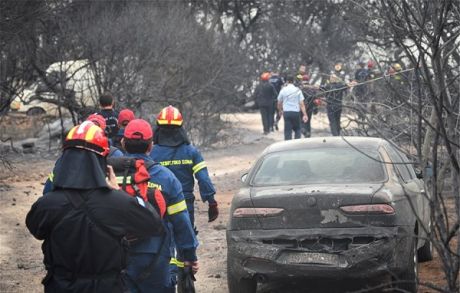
(172, 122)
(120, 179)
(176, 262)
(177, 208)
(70, 134)
(163, 114)
(91, 132)
(198, 167)
(51, 176)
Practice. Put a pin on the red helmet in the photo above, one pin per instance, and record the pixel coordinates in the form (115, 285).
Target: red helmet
(265, 76)
(88, 136)
(97, 119)
(170, 116)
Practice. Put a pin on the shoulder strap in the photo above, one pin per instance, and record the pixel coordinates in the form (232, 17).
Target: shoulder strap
(149, 164)
(78, 202)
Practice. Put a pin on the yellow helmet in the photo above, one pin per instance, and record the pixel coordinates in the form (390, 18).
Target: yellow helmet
(397, 67)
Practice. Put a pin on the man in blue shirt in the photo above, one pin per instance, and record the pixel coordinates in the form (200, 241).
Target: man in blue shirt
(148, 265)
(290, 104)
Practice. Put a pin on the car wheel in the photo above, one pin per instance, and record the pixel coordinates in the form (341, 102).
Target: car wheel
(407, 281)
(236, 285)
(425, 253)
(35, 111)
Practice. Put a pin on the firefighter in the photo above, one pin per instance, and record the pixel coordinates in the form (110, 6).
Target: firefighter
(148, 266)
(114, 152)
(174, 151)
(125, 116)
(83, 222)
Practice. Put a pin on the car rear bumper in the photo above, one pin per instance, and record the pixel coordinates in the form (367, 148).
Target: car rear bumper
(325, 253)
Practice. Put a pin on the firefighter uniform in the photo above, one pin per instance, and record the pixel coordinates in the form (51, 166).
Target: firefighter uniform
(84, 223)
(186, 162)
(148, 265)
(177, 225)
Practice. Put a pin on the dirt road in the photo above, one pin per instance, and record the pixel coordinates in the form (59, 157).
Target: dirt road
(21, 266)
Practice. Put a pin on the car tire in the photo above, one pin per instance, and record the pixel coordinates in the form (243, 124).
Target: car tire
(35, 111)
(407, 281)
(236, 285)
(425, 253)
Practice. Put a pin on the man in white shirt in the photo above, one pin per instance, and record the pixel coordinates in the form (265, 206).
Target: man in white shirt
(290, 104)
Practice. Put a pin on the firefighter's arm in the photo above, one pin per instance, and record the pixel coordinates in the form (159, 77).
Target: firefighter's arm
(200, 171)
(184, 235)
(207, 190)
(177, 214)
(139, 218)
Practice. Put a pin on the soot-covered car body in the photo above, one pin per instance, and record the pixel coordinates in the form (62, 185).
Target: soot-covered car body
(333, 207)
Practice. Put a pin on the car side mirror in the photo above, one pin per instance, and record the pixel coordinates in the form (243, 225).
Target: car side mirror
(244, 177)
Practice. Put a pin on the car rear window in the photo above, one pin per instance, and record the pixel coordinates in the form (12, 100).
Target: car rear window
(322, 165)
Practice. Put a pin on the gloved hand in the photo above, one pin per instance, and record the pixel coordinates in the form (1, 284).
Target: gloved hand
(193, 265)
(213, 212)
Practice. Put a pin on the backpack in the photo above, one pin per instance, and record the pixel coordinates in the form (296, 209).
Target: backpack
(133, 177)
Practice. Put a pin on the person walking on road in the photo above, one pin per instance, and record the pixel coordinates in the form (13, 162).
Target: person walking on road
(277, 82)
(264, 95)
(290, 105)
(84, 221)
(335, 89)
(148, 266)
(174, 151)
(107, 103)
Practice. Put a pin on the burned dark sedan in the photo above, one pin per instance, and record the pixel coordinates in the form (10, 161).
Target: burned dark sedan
(350, 208)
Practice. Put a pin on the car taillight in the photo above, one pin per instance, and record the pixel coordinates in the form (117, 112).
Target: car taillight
(369, 209)
(256, 212)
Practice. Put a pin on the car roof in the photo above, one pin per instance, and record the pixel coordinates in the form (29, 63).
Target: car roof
(329, 141)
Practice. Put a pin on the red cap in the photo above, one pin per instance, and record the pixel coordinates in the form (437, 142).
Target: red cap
(138, 129)
(370, 64)
(125, 115)
(97, 119)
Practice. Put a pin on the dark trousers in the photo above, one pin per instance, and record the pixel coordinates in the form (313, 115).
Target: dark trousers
(267, 117)
(291, 123)
(306, 127)
(333, 114)
(275, 115)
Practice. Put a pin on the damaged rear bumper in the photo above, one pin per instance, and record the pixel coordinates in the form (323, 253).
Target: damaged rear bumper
(318, 253)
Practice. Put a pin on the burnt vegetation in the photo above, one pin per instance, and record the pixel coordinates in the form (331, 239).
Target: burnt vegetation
(204, 56)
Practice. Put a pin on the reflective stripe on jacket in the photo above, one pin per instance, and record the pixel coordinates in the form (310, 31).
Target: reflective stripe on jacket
(186, 162)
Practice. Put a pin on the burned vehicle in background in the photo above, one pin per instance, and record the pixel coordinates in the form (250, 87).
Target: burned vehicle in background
(331, 207)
